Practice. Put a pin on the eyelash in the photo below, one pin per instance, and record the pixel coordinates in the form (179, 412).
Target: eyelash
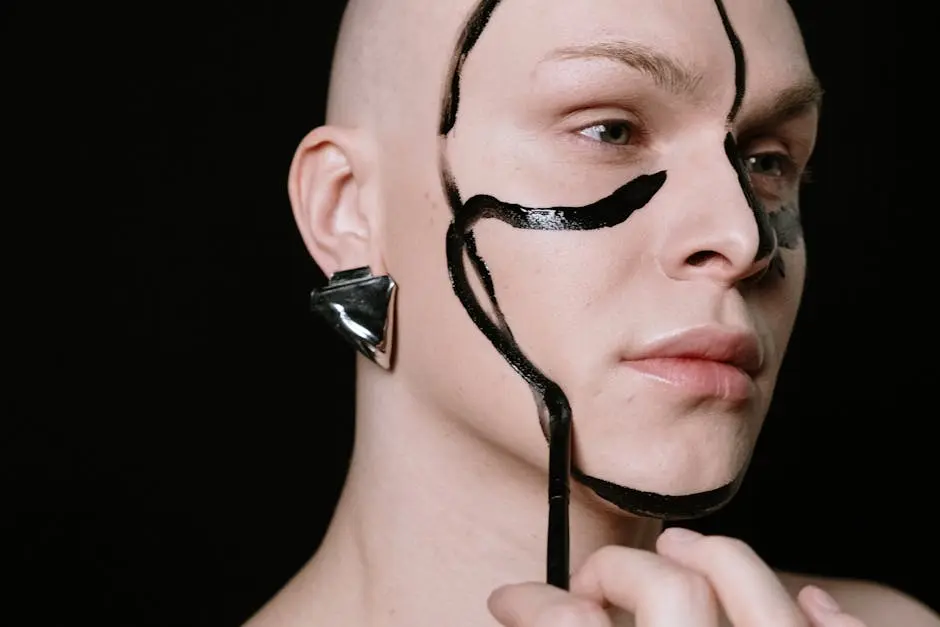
(789, 170)
(631, 128)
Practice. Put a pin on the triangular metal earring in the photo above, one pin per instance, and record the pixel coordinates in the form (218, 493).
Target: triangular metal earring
(361, 308)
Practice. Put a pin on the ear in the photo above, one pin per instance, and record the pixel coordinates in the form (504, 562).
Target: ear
(326, 184)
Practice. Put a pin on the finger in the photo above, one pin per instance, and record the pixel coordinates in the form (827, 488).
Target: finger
(823, 609)
(541, 605)
(656, 591)
(748, 590)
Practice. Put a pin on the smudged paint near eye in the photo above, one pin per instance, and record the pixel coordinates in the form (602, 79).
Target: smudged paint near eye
(787, 225)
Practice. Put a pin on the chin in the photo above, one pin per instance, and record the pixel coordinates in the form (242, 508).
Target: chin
(689, 455)
(678, 487)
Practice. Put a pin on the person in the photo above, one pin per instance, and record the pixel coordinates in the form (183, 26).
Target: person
(540, 215)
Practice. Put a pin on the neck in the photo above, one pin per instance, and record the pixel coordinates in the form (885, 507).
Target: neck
(433, 519)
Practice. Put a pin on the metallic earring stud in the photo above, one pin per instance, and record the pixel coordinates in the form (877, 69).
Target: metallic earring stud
(361, 308)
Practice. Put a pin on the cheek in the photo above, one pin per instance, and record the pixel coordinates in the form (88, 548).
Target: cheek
(777, 303)
(553, 287)
(791, 289)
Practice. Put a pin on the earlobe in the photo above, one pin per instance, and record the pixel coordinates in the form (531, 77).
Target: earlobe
(324, 184)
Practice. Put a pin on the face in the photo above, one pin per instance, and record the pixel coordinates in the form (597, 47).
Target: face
(624, 183)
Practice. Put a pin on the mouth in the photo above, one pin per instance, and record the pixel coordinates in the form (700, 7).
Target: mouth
(710, 361)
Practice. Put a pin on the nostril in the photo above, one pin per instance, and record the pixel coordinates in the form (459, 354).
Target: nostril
(701, 257)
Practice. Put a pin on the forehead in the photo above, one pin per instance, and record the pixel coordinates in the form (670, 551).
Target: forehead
(523, 37)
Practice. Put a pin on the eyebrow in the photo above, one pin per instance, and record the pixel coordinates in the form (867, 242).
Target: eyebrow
(673, 75)
(792, 102)
(667, 72)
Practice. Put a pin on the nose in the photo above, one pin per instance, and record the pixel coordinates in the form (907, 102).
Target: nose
(718, 229)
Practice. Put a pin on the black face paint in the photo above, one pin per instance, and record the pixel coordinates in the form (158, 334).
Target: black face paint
(767, 239)
(553, 406)
(608, 212)
(468, 39)
(652, 504)
(789, 229)
(740, 63)
(767, 244)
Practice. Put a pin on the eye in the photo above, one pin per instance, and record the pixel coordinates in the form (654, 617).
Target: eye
(616, 132)
(768, 164)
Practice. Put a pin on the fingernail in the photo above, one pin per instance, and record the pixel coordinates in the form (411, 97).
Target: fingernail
(681, 534)
(825, 601)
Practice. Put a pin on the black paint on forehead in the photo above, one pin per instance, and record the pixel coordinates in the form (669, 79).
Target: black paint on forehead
(740, 63)
(468, 39)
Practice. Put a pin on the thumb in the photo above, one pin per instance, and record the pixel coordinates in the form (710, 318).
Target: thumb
(823, 610)
(538, 604)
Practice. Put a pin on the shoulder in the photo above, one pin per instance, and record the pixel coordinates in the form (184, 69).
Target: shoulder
(875, 604)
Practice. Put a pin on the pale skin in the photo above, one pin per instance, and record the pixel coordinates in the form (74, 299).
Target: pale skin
(444, 511)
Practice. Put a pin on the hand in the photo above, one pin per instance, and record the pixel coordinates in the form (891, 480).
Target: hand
(688, 582)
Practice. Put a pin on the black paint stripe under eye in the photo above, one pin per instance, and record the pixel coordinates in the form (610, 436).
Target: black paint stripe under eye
(607, 212)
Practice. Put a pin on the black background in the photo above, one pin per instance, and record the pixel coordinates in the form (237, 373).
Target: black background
(178, 423)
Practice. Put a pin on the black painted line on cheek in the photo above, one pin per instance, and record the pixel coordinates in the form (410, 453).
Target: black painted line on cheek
(614, 209)
(548, 393)
(607, 212)
(486, 277)
(610, 211)
(504, 344)
(483, 272)
(473, 29)
(658, 505)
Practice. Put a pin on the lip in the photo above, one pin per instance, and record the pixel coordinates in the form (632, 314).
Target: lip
(705, 361)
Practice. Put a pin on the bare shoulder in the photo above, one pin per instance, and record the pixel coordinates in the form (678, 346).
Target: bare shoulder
(875, 604)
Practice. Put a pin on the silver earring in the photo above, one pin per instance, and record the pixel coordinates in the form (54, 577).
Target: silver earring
(361, 308)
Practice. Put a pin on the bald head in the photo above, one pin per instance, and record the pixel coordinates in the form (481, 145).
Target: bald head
(389, 61)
